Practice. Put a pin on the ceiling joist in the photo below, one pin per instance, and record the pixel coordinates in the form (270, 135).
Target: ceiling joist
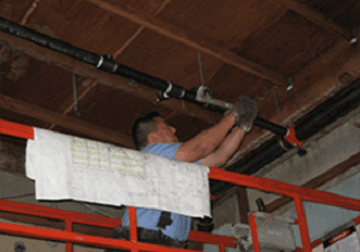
(179, 35)
(115, 81)
(316, 17)
(31, 110)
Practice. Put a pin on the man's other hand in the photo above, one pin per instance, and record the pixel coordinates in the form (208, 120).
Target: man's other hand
(245, 111)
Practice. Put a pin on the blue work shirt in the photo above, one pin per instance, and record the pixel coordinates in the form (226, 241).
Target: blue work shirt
(149, 218)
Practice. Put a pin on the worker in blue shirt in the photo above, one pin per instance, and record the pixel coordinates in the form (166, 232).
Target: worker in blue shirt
(211, 147)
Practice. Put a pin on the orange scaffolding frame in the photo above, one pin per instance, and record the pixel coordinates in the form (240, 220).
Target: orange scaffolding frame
(69, 237)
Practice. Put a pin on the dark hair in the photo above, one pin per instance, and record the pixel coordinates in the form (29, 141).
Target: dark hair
(143, 126)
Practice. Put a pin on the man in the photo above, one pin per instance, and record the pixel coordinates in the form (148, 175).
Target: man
(211, 147)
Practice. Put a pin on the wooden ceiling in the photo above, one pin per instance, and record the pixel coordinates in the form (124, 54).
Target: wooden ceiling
(248, 48)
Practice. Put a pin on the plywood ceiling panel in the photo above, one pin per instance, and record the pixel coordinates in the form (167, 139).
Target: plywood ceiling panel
(7, 9)
(226, 23)
(343, 12)
(288, 45)
(167, 59)
(82, 24)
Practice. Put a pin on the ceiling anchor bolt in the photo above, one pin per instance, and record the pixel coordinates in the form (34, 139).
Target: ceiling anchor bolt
(76, 106)
(290, 83)
(353, 39)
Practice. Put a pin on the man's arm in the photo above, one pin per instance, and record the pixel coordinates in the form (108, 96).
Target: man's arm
(226, 150)
(206, 141)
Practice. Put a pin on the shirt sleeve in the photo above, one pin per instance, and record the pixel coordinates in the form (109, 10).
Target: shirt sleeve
(164, 149)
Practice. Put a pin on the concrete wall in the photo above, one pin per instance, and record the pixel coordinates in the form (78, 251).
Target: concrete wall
(324, 152)
(226, 209)
(323, 218)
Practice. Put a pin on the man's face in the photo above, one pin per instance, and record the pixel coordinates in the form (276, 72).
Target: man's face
(165, 132)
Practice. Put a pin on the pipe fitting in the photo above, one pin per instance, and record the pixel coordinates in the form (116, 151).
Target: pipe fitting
(167, 91)
(107, 63)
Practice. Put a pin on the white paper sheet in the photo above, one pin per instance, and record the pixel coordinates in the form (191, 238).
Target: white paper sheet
(68, 167)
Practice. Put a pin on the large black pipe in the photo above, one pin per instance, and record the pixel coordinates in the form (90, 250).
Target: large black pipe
(277, 129)
(102, 62)
(106, 63)
(325, 114)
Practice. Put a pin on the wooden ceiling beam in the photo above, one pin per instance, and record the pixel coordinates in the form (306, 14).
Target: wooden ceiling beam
(118, 82)
(45, 115)
(179, 35)
(316, 17)
(318, 181)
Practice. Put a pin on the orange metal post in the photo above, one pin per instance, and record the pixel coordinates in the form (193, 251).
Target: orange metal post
(69, 246)
(254, 234)
(132, 225)
(304, 231)
(221, 247)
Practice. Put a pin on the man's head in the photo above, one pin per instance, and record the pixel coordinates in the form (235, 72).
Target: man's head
(152, 128)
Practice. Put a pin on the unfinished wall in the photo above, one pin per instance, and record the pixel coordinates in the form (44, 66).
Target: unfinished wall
(226, 209)
(324, 152)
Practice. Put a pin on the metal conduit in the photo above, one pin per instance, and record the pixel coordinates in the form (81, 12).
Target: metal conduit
(259, 158)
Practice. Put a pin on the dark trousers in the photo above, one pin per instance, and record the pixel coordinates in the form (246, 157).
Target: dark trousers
(147, 236)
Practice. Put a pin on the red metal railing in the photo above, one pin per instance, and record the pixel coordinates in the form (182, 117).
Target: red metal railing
(298, 193)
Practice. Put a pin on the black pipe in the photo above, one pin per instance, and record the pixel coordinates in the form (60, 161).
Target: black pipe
(277, 129)
(329, 112)
(48, 42)
(326, 113)
(106, 63)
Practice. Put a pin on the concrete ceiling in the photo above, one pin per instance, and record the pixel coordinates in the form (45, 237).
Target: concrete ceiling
(248, 48)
